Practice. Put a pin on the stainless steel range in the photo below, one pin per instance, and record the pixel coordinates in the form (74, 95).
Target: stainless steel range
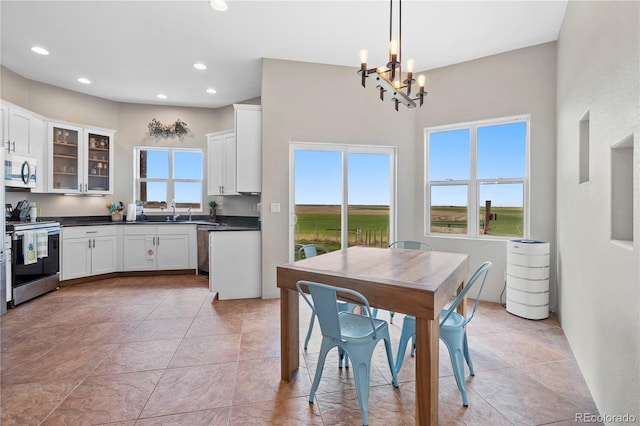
(35, 259)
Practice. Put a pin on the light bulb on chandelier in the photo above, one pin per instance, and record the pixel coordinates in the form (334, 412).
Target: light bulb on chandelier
(385, 77)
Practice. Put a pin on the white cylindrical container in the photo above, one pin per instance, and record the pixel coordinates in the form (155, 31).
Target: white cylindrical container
(131, 213)
(33, 212)
(528, 278)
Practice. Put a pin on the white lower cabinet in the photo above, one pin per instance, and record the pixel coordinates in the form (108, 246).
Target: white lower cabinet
(234, 264)
(162, 247)
(88, 250)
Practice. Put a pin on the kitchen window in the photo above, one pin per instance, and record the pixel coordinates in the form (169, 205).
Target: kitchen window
(167, 175)
(476, 179)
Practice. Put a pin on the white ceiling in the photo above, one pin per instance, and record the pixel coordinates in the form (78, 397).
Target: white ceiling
(133, 50)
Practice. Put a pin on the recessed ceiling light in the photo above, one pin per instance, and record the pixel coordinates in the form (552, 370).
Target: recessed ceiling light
(219, 5)
(199, 66)
(40, 50)
(211, 91)
(84, 80)
(162, 96)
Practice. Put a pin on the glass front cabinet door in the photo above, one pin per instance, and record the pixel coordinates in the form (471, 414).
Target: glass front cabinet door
(65, 165)
(81, 161)
(99, 161)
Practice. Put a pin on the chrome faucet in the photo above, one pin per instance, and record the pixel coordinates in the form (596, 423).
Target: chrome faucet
(173, 207)
(189, 214)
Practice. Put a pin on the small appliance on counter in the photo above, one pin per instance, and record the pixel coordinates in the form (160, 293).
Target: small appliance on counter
(20, 213)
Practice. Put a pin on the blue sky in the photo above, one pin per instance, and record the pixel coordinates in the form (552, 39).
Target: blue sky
(501, 153)
(186, 165)
(318, 178)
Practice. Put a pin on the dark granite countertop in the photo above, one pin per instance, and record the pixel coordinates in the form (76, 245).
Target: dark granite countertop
(223, 223)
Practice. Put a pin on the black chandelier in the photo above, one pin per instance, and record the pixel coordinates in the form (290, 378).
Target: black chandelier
(389, 78)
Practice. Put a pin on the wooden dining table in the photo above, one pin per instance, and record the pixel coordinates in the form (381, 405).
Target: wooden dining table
(413, 282)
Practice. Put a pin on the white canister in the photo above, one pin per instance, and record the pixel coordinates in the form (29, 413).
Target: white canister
(33, 212)
(131, 213)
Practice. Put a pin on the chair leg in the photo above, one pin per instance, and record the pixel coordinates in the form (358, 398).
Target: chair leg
(361, 376)
(324, 349)
(402, 347)
(465, 349)
(313, 320)
(457, 363)
(342, 354)
(394, 374)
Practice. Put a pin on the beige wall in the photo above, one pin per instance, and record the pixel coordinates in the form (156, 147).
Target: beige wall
(518, 82)
(130, 122)
(598, 280)
(303, 102)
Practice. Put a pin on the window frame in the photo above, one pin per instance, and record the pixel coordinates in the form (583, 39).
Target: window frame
(473, 183)
(170, 180)
(345, 150)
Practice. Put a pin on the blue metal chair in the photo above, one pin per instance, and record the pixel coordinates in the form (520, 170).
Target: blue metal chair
(452, 332)
(409, 245)
(356, 335)
(311, 250)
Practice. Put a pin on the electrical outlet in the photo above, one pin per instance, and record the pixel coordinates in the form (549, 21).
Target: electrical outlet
(275, 208)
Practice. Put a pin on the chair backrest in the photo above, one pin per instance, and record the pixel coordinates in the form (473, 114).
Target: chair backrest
(479, 275)
(311, 250)
(411, 245)
(325, 305)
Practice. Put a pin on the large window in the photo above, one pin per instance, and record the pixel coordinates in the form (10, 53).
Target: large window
(476, 178)
(167, 175)
(342, 195)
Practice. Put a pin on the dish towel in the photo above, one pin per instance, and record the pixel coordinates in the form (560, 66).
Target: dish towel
(29, 247)
(42, 244)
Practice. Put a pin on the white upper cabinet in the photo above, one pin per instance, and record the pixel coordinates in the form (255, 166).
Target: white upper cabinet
(4, 125)
(99, 154)
(248, 126)
(221, 163)
(81, 159)
(23, 133)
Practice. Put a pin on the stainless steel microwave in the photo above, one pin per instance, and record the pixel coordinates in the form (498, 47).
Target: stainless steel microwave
(20, 172)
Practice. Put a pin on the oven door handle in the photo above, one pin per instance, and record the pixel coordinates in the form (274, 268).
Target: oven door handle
(16, 234)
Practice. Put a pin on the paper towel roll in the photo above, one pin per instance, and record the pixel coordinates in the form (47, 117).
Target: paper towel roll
(131, 213)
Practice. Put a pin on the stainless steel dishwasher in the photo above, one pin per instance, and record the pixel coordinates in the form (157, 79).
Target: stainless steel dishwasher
(203, 248)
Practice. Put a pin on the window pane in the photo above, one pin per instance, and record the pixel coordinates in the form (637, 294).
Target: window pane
(449, 155)
(502, 150)
(187, 165)
(154, 164)
(369, 194)
(449, 209)
(188, 194)
(318, 197)
(507, 216)
(153, 194)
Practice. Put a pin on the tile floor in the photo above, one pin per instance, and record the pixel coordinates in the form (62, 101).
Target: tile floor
(159, 350)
